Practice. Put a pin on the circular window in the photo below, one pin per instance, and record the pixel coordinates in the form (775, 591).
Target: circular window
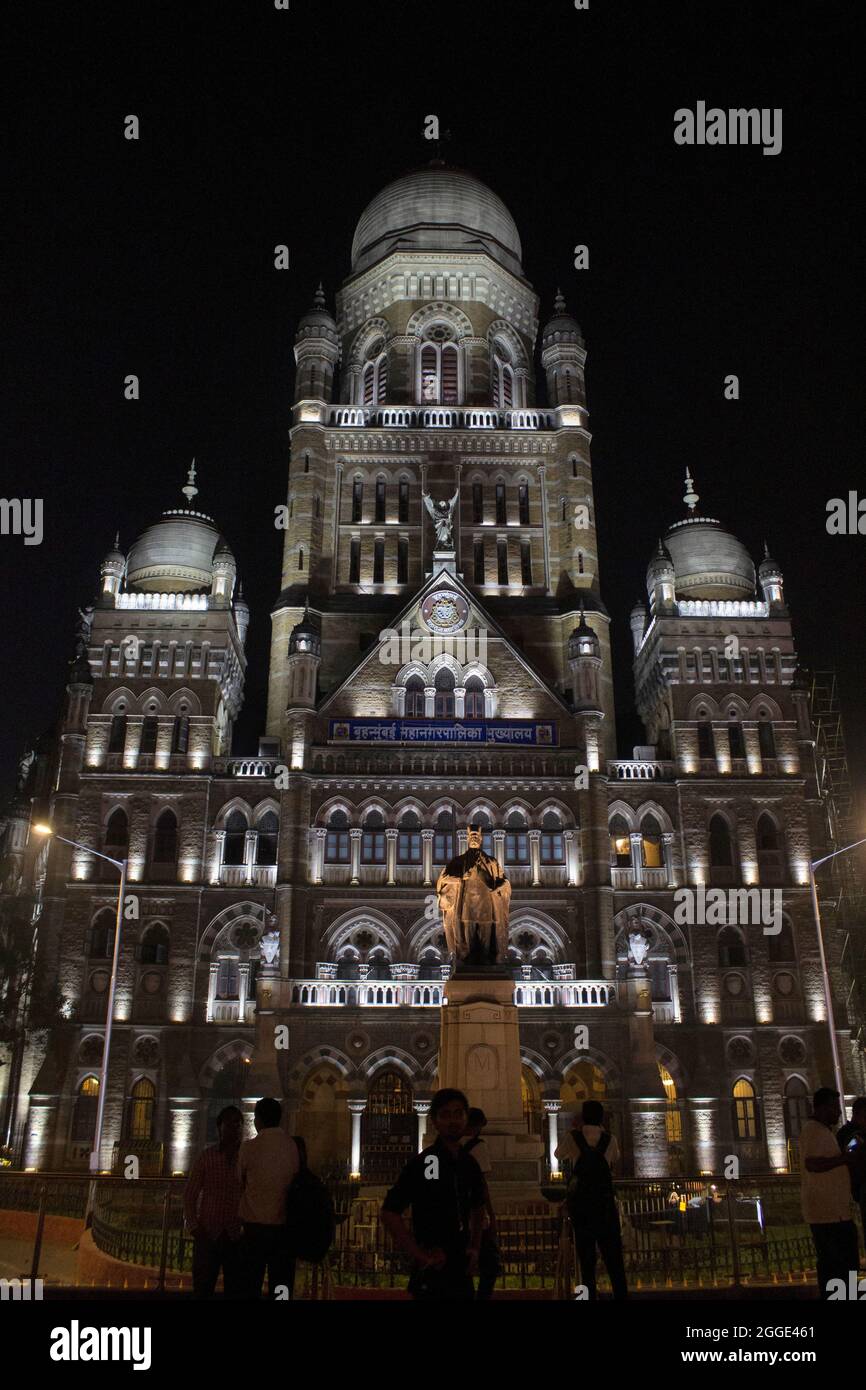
(740, 1051)
(792, 1051)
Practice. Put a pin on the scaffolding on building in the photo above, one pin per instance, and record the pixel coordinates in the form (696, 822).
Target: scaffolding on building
(836, 793)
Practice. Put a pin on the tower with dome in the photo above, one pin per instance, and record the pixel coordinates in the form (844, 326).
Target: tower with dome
(293, 883)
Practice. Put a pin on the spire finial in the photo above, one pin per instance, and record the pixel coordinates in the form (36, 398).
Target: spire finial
(117, 540)
(190, 491)
(319, 297)
(691, 497)
(559, 301)
(766, 551)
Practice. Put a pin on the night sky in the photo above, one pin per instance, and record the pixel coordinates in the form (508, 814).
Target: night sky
(261, 127)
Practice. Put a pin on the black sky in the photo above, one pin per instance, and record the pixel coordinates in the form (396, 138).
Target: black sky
(261, 127)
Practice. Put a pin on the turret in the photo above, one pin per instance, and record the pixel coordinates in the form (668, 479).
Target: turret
(584, 660)
(637, 622)
(661, 580)
(305, 655)
(225, 572)
(770, 579)
(317, 352)
(112, 568)
(563, 357)
(242, 615)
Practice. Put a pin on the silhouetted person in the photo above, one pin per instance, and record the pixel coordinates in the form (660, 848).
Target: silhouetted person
(488, 1256)
(591, 1200)
(444, 1187)
(266, 1167)
(826, 1191)
(211, 1201)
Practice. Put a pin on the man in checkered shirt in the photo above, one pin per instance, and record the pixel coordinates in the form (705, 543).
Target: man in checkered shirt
(211, 1201)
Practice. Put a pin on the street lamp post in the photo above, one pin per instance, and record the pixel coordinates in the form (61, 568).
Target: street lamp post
(121, 864)
(828, 993)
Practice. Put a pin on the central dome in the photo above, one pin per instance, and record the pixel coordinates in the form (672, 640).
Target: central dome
(437, 208)
(175, 555)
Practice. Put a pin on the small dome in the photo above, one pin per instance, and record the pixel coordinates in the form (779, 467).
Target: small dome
(437, 208)
(223, 558)
(583, 641)
(115, 560)
(317, 322)
(769, 569)
(305, 636)
(562, 327)
(175, 555)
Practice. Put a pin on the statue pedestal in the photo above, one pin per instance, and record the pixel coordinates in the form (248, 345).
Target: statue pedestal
(444, 560)
(479, 1053)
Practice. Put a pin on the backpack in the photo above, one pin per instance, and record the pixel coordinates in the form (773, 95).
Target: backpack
(310, 1223)
(590, 1190)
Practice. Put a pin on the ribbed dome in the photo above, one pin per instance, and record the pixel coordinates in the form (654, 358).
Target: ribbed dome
(708, 561)
(437, 208)
(175, 555)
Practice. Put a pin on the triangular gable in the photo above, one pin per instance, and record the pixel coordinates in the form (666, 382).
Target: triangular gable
(478, 618)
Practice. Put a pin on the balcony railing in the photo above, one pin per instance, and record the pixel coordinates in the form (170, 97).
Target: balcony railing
(248, 875)
(537, 994)
(638, 770)
(448, 417)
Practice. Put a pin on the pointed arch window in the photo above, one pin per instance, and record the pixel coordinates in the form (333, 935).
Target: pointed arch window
(373, 849)
(414, 698)
(374, 377)
(100, 942)
(516, 839)
(139, 1115)
(337, 839)
(503, 380)
(797, 1107)
(766, 736)
(781, 946)
(84, 1114)
(474, 701)
(409, 839)
(165, 839)
(745, 1110)
(117, 834)
(732, 948)
(721, 848)
(651, 843)
(154, 946)
(444, 840)
(440, 375)
(552, 842)
(266, 840)
(444, 683)
(620, 843)
(235, 843)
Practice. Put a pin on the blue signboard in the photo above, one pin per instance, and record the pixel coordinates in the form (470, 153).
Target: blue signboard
(467, 732)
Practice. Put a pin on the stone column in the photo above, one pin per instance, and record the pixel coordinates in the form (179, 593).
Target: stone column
(213, 972)
(356, 1110)
(391, 849)
(535, 856)
(249, 854)
(243, 988)
(429, 701)
(552, 1107)
(427, 853)
(668, 855)
(499, 846)
(636, 840)
(459, 701)
(570, 841)
(319, 854)
(219, 842)
(422, 1110)
(355, 842)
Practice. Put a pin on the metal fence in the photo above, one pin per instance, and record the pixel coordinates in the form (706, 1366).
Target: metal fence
(686, 1233)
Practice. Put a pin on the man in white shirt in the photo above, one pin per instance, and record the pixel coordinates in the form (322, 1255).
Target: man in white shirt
(826, 1191)
(266, 1167)
(591, 1200)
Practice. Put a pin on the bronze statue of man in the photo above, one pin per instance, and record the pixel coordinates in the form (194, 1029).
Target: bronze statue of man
(474, 895)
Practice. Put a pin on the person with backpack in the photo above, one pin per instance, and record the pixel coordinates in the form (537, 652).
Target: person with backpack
(310, 1218)
(489, 1263)
(592, 1207)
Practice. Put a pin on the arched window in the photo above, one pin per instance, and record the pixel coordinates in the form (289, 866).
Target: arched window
(235, 842)
(706, 744)
(165, 839)
(620, 843)
(766, 736)
(444, 693)
(474, 701)
(769, 850)
(139, 1114)
(374, 378)
(373, 839)
(552, 841)
(409, 839)
(673, 1118)
(337, 839)
(84, 1114)
(228, 978)
(266, 840)
(745, 1110)
(414, 698)
(797, 1106)
(439, 369)
(153, 948)
(444, 840)
(502, 373)
(732, 948)
(516, 839)
(301, 559)
(781, 945)
(117, 737)
(117, 834)
(100, 941)
(651, 843)
(721, 849)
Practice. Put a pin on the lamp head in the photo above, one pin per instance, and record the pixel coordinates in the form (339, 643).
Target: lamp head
(41, 828)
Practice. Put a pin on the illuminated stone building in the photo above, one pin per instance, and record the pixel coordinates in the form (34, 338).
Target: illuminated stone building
(287, 939)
